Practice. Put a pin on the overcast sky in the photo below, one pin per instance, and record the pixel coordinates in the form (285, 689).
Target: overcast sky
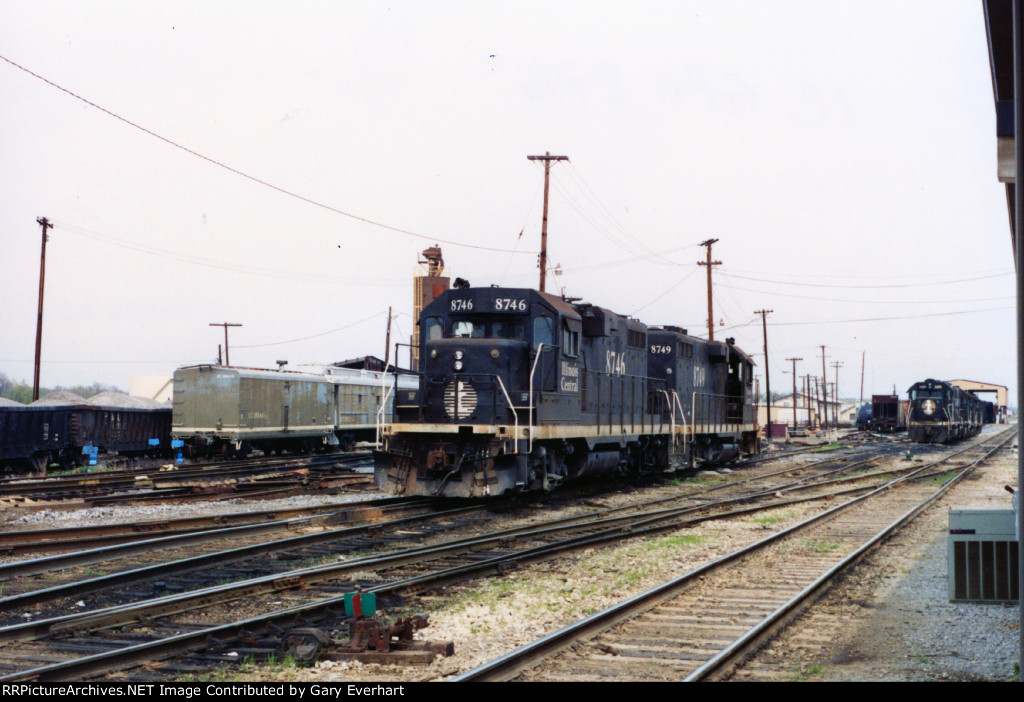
(281, 165)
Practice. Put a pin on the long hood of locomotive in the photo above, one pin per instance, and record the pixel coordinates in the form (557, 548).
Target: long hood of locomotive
(472, 381)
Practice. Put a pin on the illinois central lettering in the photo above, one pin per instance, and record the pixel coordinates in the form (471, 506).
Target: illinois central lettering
(570, 377)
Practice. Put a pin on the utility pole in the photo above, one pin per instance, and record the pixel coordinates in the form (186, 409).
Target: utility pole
(547, 158)
(862, 353)
(794, 360)
(806, 380)
(227, 354)
(710, 264)
(387, 342)
(837, 365)
(824, 379)
(817, 401)
(767, 376)
(45, 224)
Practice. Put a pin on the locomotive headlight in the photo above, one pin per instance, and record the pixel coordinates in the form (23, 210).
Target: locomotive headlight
(495, 353)
(458, 355)
(433, 353)
(458, 365)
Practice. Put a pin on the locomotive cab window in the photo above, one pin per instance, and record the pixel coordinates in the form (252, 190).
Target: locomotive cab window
(570, 341)
(514, 329)
(636, 339)
(434, 328)
(543, 331)
(508, 329)
(465, 329)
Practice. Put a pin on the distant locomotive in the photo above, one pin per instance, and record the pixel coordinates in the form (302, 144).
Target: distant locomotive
(940, 412)
(228, 411)
(522, 390)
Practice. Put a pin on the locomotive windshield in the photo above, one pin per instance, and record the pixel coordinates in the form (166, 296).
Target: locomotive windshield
(504, 328)
(923, 393)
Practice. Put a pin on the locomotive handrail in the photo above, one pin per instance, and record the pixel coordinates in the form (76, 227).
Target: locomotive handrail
(540, 347)
(671, 415)
(511, 407)
(673, 402)
(383, 402)
(682, 413)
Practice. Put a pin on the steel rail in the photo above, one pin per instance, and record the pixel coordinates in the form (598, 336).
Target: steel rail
(107, 553)
(652, 521)
(97, 536)
(540, 552)
(507, 666)
(805, 597)
(125, 657)
(16, 569)
(638, 519)
(126, 479)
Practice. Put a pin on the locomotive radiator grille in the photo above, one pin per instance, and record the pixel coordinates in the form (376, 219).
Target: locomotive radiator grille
(459, 399)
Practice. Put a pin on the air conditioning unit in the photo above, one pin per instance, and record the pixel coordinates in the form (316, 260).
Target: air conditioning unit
(983, 555)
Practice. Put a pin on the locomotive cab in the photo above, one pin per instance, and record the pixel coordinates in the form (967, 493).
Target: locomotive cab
(485, 349)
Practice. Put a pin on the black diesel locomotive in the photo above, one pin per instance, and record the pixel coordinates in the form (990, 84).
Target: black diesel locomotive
(940, 412)
(523, 390)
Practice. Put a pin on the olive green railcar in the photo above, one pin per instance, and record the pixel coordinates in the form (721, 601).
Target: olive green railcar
(230, 411)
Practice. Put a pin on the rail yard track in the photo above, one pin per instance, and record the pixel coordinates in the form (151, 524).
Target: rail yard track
(702, 624)
(250, 478)
(192, 614)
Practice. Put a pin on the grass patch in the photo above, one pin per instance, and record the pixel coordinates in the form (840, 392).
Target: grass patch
(822, 546)
(770, 518)
(705, 479)
(938, 479)
(673, 542)
(815, 670)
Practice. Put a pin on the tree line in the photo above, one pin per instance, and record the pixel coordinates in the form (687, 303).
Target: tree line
(21, 391)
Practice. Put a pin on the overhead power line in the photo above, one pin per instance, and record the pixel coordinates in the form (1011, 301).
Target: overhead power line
(886, 319)
(870, 287)
(314, 336)
(207, 261)
(254, 179)
(819, 298)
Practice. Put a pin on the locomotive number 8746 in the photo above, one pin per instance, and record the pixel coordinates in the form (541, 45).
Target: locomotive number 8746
(523, 390)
